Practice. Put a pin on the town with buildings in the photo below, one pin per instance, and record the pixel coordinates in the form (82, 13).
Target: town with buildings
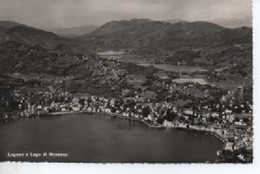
(187, 75)
(226, 114)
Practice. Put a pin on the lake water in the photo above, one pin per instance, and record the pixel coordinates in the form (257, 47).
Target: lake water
(99, 138)
(175, 68)
(191, 80)
(113, 55)
(110, 53)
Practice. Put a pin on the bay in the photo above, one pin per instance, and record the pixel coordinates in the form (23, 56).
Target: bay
(100, 138)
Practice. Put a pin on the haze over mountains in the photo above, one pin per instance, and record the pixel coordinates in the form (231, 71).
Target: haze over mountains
(234, 22)
(73, 31)
(238, 22)
(81, 30)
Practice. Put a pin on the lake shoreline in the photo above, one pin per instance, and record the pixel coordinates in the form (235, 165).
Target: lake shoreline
(97, 132)
(222, 139)
(120, 116)
(111, 115)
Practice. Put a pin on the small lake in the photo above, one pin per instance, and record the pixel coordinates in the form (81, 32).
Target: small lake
(99, 138)
(110, 53)
(175, 68)
(191, 80)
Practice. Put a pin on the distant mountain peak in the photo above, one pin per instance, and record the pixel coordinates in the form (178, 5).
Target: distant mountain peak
(141, 34)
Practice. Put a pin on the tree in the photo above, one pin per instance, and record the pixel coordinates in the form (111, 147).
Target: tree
(145, 111)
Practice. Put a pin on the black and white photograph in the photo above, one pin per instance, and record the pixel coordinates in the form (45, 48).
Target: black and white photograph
(120, 81)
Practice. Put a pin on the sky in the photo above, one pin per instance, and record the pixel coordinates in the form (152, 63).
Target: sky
(70, 13)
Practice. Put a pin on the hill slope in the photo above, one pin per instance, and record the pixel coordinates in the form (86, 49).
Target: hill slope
(18, 57)
(9, 24)
(30, 36)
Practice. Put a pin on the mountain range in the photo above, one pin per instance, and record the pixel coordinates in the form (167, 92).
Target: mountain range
(142, 34)
(131, 34)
